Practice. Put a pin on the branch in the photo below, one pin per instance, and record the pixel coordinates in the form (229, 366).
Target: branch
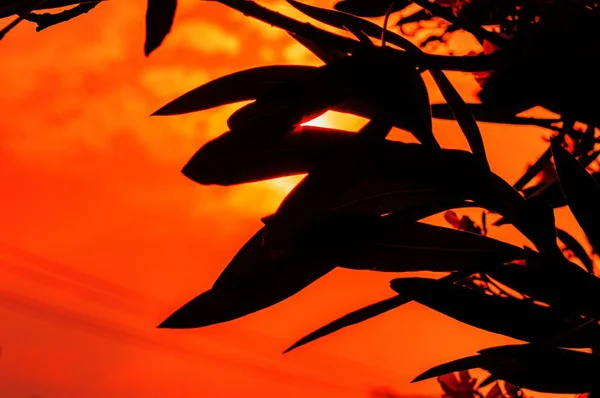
(46, 20)
(21, 17)
(16, 7)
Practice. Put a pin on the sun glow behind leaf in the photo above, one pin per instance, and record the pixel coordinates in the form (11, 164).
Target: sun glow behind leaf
(330, 119)
(338, 120)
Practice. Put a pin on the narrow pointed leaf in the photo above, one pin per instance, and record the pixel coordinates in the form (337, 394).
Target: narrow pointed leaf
(219, 305)
(236, 157)
(245, 85)
(159, 20)
(400, 247)
(413, 170)
(254, 280)
(410, 202)
(350, 319)
(507, 316)
(296, 101)
(552, 279)
(318, 191)
(546, 369)
(472, 362)
(367, 312)
(581, 191)
(464, 118)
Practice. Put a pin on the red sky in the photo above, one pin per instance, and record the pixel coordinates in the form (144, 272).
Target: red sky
(91, 182)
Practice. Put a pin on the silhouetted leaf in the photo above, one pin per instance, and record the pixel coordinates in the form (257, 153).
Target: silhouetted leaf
(159, 19)
(575, 247)
(511, 317)
(464, 118)
(546, 369)
(370, 8)
(420, 173)
(317, 192)
(219, 305)
(336, 83)
(245, 85)
(535, 219)
(295, 101)
(352, 318)
(538, 368)
(400, 247)
(371, 311)
(408, 200)
(581, 191)
(254, 280)
(236, 158)
(579, 292)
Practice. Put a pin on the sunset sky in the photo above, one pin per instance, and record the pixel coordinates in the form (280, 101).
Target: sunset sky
(103, 236)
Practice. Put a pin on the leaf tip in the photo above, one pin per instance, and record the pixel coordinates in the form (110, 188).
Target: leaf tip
(161, 112)
(421, 377)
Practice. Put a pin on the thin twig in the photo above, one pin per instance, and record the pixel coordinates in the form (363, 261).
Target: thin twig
(46, 20)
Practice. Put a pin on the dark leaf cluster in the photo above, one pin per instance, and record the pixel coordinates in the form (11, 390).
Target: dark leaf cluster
(364, 197)
(362, 201)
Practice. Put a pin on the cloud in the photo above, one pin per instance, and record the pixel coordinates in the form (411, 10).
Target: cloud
(172, 81)
(205, 37)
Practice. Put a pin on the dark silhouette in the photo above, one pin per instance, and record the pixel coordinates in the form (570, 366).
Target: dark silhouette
(362, 200)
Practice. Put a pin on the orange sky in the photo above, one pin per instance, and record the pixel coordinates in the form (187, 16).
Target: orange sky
(92, 182)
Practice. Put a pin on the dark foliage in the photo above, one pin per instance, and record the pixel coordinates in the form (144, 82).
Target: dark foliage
(362, 202)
